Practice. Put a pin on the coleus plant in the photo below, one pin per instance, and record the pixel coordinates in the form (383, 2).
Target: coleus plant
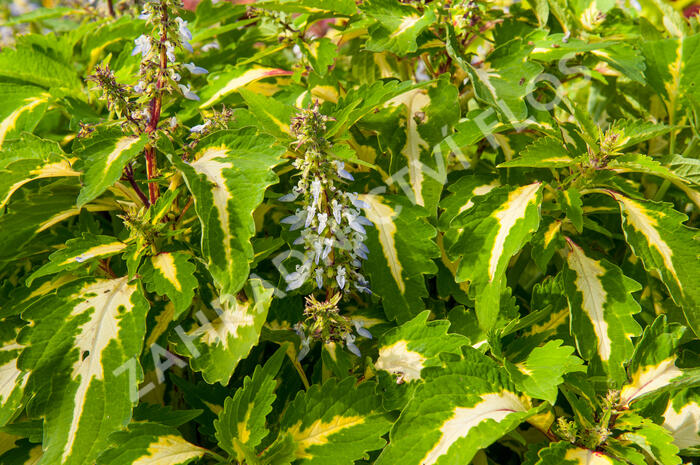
(311, 232)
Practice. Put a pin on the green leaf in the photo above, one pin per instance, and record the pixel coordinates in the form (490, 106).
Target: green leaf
(35, 213)
(28, 159)
(565, 453)
(488, 235)
(545, 152)
(424, 116)
(362, 101)
(274, 116)
(343, 7)
(227, 179)
(242, 421)
(224, 83)
(682, 419)
(78, 251)
(397, 26)
(632, 132)
(635, 163)
(216, 347)
(401, 253)
(171, 274)
(150, 443)
(83, 349)
(653, 365)
(570, 201)
(673, 67)
(12, 379)
(542, 372)
(648, 436)
(657, 236)
(31, 65)
(602, 309)
(406, 350)
(335, 424)
(321, 54)
(106, 154)
(23, 107)
(449, 420)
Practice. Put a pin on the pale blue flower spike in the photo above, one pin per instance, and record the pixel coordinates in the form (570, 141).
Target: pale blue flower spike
(291, 197)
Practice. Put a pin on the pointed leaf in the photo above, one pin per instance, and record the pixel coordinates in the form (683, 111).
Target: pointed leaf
(78, 251)
(150, 444)
(23, 107)
(171, 274)
(449, 421)
(401, 253)
(488, 235)
(546, 152)
(242, 421)
(657, 236)
(602, 309)
(224, 83)
(216, 347)
(83, 350)
(406, 350)
(227, 179)
(106, 154)
(28, 159)
(541, 373)
(397, 26)
(335, 424)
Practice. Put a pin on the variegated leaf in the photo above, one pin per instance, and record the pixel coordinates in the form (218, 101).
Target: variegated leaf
(602, 310)
(651, 438)
(656, 234)
(83, 349)
(542, 372)
(227, 179)
(673, 66)
(401, 253)
(216, 346)
(397, 25)
(27, 159)
(145, 443)
(22, 454)
(653, 366)
(241, 424)
(545, 152)
(336, 423)
(12, 379)
(425, 116)
(563, 452)
(488, 235)
(78, 251)
(23, 107)
(224, 83)
(106, 154)
(682, 419)
(33, 213)
(449, 420)
(635, 163)
(171, 274)
(406, 350)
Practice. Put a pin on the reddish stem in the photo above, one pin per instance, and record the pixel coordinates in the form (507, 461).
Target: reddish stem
(150, 151)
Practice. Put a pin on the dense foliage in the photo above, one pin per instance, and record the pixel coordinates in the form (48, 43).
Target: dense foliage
(336, 232)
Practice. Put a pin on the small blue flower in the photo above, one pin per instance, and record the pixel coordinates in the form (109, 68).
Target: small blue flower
(143, 45)
(187, 92)
(194, 69)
